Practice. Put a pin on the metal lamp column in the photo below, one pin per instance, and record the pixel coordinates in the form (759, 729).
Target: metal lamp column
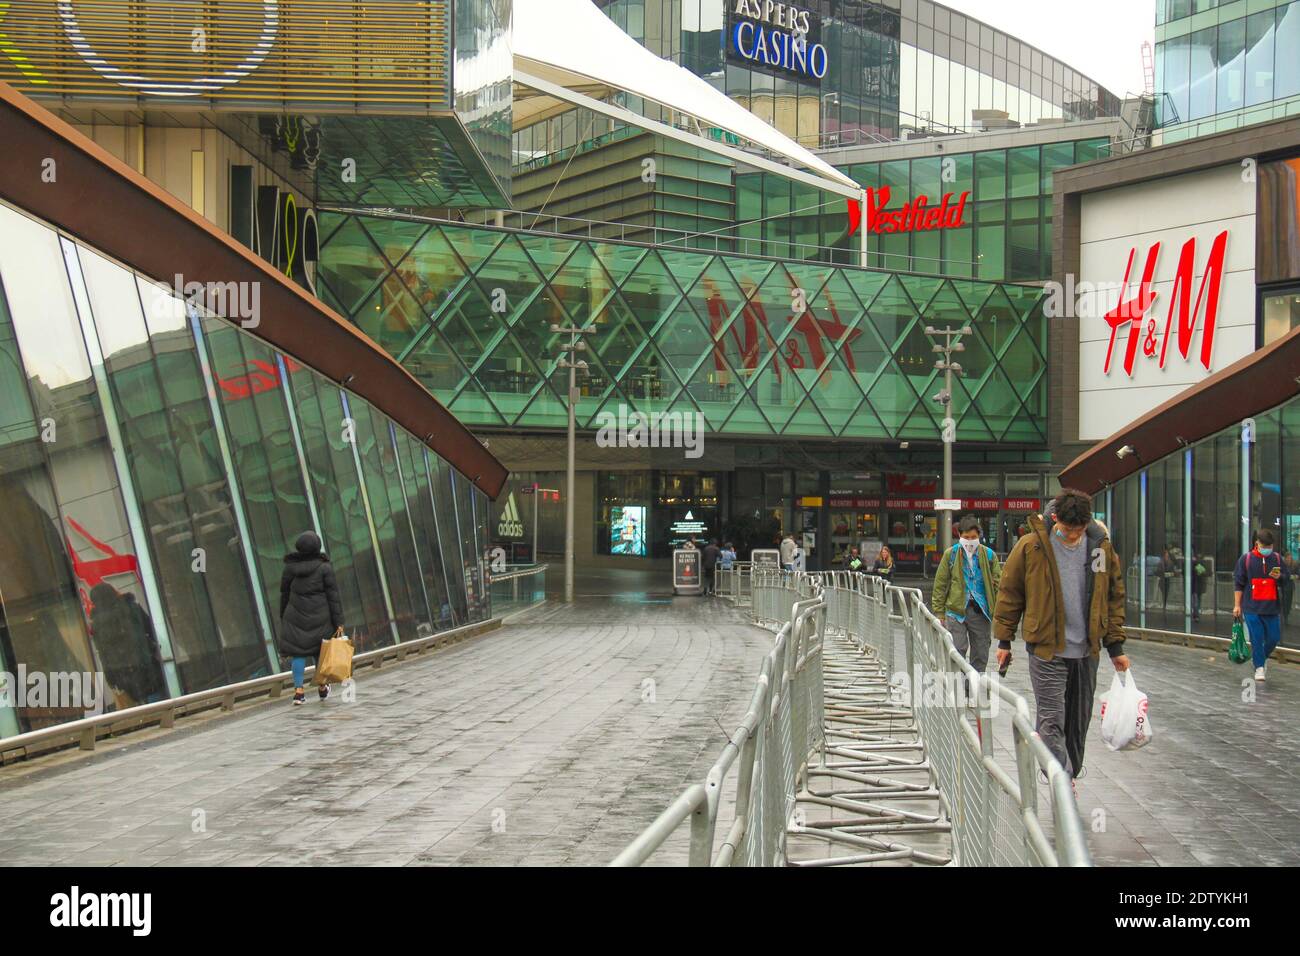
(568, 361)
(951, 343)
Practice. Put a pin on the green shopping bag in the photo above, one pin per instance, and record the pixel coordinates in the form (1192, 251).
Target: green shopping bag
(1238, 650)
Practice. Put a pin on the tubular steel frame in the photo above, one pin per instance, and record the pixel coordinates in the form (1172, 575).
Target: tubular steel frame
(931, 764)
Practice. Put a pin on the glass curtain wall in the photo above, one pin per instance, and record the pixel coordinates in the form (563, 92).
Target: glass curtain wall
(953, 64)
(1226, 58)
(1007, 234)
(155, 467)
(682, 332)
(917, 65)
(1179, 572)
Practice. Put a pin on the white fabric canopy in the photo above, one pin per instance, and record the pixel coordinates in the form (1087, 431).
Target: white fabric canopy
(572, 44)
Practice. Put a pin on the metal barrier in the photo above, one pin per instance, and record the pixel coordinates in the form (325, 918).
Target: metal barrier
(919, 748)
(781, 728)
(994, 815)
(517, 588)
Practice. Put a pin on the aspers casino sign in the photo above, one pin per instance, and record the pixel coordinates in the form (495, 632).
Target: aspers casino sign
(778, 37)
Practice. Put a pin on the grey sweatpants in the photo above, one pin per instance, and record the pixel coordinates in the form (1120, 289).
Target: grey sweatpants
(971, 637)
(1063, 691)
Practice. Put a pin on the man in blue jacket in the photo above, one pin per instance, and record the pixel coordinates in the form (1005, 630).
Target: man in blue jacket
(1259, 577)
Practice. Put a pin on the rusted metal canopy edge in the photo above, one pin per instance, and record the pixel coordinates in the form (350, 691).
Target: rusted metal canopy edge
(1252, 385)
(102, 201)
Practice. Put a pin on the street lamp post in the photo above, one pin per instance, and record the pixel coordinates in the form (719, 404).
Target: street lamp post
(951, 343)
(568, 360)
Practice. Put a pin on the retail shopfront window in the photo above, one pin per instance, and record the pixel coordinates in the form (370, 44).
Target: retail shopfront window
(1179, 573)
(646, 514)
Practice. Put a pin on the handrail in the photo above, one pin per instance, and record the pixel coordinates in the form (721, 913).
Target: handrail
(87, 730)
(990, 809)
(761, 745)
(661, 236)
(522, 572)
(1031, 753)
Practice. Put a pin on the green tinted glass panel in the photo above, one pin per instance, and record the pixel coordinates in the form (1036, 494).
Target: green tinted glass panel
(681, 331)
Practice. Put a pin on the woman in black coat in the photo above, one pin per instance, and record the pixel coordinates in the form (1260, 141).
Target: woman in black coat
(310, 608)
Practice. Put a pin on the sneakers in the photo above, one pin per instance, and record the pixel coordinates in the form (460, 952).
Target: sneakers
(323, 690)
(299, 696)
(1259, 674)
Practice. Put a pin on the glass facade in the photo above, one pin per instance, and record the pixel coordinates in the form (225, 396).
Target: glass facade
(1181, 524)
(1221, 65)
(483, 81)
(892, 66)
(467, 310)
(691, 200)
(952, 65)
(155, 466)
(1008, 230)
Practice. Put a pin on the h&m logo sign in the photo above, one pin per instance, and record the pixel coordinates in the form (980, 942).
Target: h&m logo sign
(1132, 312)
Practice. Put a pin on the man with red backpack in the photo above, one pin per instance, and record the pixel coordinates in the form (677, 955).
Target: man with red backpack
(1259, 577)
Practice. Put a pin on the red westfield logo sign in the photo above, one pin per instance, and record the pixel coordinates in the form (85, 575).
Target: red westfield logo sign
(1131, 312)
(915, 216)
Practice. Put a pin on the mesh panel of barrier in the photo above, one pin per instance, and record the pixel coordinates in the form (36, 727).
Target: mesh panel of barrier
(863, 677)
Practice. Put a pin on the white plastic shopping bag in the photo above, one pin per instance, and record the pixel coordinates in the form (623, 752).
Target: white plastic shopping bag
(1125, 722)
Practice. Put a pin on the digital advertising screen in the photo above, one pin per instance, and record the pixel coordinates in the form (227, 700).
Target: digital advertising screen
(627, 530)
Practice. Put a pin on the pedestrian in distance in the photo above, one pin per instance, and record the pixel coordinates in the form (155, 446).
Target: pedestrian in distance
(787, 553)
(709, 563)
(1259, 579)
(728, 556)
(311, 610)
(883, 566)
(966, 591)
(1200, 583)
(799, 560)
(1168, 564)
(1065, 625)
(1288, 585)
(854, 562)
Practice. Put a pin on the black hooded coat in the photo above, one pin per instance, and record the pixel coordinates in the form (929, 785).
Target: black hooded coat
(310, 607)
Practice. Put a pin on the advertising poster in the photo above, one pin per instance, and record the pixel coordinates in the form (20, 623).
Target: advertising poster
(627, 530)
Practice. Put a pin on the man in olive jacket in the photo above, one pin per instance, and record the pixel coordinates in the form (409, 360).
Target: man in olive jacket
(1064, 585)
(966, 591)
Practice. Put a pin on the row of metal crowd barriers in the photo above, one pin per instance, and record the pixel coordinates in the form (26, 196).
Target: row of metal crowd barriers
(987, 789)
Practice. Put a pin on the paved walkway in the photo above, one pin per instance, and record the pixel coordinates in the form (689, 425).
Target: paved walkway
(1219, 784)
(539, 744)
(544, 744)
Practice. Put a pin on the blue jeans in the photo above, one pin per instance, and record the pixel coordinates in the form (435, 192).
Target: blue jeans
(1265, 634)
(299, 665)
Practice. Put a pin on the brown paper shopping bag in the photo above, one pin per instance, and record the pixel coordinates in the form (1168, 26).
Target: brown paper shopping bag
(335, 664)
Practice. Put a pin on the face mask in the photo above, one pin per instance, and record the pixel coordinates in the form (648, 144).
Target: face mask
(970, 546)
(1265, 551)
(1061, 534)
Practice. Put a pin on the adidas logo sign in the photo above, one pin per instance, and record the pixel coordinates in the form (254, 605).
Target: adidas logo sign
(510, 526)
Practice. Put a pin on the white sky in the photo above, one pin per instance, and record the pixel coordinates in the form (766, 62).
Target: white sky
(1099, 38)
